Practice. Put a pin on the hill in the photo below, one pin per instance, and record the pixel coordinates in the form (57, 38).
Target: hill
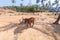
(43, 28)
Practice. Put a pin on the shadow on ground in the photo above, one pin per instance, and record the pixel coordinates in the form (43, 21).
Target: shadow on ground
(53, 32)
(56, 28)
(12, 25)
(7, 27)
(21, 27)
(56, 31)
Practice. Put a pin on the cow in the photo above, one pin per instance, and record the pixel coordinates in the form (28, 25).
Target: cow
(29, 21)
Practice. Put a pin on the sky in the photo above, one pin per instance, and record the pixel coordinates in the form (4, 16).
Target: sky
(25, 2)
(9, 3)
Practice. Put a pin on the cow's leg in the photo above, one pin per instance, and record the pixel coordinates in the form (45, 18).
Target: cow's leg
(26, 25)
(29, 25)
(33, 24)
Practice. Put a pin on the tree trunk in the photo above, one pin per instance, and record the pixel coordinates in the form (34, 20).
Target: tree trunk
(56, 22)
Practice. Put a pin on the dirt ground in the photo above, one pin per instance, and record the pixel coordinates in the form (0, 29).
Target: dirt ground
(43, 28)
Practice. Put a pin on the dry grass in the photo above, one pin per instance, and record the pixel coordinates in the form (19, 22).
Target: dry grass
(42, 30)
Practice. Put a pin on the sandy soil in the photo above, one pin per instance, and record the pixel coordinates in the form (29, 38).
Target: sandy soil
(43, 28)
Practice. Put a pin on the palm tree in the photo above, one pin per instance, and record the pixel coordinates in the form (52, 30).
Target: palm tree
(21, 4)
(37, 1)
(49, 4)
(29, 3)
(22, 0)
(56, 2)
(42, 2)
(13, 1)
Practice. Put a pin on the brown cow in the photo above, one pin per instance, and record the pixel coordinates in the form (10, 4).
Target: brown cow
(29, 21)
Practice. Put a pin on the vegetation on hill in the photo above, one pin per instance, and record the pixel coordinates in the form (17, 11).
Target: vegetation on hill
(34, 8)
